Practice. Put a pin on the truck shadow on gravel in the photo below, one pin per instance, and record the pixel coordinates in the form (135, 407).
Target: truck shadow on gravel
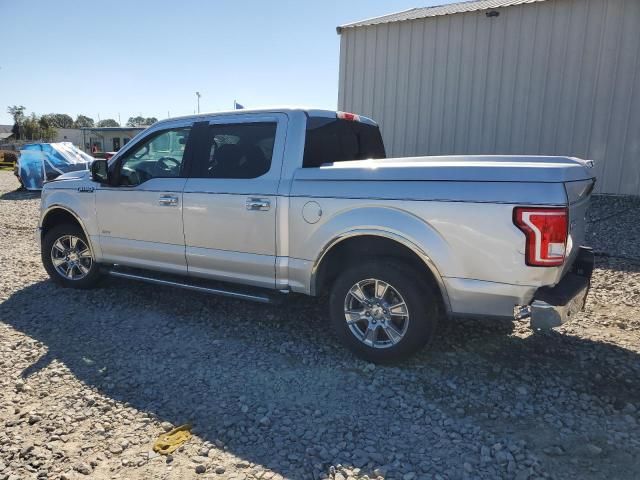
(270, 383)
(20, 194)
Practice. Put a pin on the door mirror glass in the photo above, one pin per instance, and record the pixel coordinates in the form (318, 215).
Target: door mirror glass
(100, 171)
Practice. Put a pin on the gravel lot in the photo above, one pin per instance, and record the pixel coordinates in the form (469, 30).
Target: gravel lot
(88, 380)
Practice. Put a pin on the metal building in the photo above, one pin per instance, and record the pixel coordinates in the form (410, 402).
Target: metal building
(551, 77)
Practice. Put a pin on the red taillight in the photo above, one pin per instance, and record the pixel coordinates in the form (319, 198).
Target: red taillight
(348, 116)
(546, 231)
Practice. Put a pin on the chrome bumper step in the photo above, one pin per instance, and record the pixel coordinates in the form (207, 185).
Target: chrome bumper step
(221, 291)
(553, 306)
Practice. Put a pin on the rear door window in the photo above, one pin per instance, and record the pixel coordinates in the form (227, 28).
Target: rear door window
(239, 150)
(331, 140)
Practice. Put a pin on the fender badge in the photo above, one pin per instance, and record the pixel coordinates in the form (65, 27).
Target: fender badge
(86, 189)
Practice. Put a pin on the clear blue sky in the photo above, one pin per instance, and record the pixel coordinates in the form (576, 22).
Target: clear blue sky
(150, 57)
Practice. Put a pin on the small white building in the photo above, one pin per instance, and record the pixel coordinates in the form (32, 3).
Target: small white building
(550, 77)
(97, 140)
(73, 135)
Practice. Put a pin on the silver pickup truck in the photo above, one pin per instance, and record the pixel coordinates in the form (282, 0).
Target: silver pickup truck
(255, 204)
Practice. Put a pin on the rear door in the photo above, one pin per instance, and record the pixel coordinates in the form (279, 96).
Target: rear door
(230, 201)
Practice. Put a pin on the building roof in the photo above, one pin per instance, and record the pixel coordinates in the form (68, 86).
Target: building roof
(5, 135)
(6, 128)
(436, 11)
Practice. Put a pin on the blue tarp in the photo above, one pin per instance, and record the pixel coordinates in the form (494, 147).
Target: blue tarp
(39, 162)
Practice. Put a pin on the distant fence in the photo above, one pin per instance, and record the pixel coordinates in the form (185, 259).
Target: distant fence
(16, 145)
(10, 146)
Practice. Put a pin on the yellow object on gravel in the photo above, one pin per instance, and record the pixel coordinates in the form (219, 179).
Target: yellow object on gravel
(170, 441)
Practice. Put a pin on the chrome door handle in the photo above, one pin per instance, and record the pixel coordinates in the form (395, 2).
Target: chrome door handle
(259, 204)
(168, 200)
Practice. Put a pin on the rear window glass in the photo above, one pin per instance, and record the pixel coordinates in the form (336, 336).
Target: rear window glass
(240, 150)
(331, 140)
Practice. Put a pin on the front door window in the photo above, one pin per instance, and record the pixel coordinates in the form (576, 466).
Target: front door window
(159, 156)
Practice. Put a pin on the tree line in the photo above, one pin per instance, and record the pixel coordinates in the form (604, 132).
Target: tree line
(43, 127)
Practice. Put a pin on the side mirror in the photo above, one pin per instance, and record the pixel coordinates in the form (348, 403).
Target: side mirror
(100, 171)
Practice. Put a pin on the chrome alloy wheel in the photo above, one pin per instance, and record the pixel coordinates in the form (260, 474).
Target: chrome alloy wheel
(71, 257)
(376, 313)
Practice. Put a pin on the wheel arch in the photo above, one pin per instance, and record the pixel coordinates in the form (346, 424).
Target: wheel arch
(371, 242)
(57, 214)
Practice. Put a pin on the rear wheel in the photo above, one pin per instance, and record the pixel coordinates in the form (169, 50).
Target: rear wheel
(384, 311)
(67, 257)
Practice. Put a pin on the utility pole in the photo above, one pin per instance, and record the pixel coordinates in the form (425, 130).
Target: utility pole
(198, 97)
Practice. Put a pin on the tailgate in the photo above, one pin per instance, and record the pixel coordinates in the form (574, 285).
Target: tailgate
(578, 197)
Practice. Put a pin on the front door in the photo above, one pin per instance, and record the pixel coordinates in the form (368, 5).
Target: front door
(230, 200)
(140, 218)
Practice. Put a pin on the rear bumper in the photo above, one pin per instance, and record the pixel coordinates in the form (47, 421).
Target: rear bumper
(553, 306)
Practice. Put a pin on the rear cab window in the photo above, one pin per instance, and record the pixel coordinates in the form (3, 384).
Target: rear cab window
(331, 140)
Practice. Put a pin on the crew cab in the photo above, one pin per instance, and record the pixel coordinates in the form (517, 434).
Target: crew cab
(255, 204)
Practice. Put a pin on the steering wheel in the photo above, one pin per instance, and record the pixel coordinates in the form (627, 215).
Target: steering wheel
(167, 165)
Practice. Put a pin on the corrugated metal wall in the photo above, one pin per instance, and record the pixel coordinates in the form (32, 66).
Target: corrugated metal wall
(560, 77)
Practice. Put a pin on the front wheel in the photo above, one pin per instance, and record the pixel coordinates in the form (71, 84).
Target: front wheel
(383, 311)
(68, 259)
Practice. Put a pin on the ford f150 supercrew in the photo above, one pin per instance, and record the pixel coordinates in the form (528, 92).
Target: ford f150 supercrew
(299, 200)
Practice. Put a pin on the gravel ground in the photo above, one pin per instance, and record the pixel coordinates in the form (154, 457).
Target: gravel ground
(88, 380)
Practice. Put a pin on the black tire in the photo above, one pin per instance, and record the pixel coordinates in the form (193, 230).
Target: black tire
(422, 299)
(89, 280)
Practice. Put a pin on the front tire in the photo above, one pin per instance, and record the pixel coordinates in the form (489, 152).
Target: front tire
(68, 259)
(384, 310)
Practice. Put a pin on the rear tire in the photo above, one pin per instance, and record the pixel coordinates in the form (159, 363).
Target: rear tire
(68, 259)
(384, 310)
